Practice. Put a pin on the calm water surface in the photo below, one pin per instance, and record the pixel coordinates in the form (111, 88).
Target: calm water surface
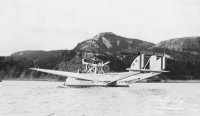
(34, 98)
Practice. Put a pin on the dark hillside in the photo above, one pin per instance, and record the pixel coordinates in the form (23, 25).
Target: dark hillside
(183, 49)
(34, 55)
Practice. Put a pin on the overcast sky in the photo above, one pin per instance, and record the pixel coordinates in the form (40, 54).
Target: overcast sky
(61, 24)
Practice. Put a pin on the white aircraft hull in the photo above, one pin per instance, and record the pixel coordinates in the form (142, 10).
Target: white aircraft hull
(83, 83)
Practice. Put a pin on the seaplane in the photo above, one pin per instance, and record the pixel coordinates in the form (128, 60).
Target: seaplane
(94, 75)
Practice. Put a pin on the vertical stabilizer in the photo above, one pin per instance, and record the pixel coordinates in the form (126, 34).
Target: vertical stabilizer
(163, 65)
(158, 64)
(141, 61)
(138, 63)
(152, 62)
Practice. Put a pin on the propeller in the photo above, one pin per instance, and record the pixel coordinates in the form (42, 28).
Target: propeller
(103, 64)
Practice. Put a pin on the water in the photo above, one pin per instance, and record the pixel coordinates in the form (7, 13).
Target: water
(31, 98)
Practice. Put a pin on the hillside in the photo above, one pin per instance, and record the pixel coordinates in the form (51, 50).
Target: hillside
(186, 48)
(111, 43)
(33, 55)
(185, 44)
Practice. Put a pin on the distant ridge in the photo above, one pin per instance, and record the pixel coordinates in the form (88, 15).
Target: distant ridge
(185, 48)
(29, 54)
(185, 44)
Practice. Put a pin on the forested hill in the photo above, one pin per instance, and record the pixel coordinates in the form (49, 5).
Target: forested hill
(17, 65)
(182, 49)
(184, 44)
(33, 55)
(110, 43)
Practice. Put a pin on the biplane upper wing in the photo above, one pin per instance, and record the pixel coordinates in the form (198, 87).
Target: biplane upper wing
(67, 74)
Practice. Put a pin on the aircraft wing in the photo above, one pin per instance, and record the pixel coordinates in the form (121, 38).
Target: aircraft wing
(147, 70)
(145, 76)
(67, 74)
(123, 76)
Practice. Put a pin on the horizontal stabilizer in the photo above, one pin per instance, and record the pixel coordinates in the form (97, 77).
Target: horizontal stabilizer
(147, 70)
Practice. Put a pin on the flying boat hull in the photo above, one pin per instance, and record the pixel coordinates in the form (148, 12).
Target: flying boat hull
(84, 83)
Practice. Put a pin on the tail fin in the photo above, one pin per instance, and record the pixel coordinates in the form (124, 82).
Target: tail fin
(138, 63)
(152, 62)
(160, 64)
(164, 63)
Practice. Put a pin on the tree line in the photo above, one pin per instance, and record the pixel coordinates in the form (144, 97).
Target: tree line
(12, 68)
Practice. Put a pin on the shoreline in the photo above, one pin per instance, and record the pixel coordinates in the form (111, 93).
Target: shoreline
(47, 80)
(55, 80)
(183, 81)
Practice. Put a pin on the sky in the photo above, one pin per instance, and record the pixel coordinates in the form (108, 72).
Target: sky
(62, 24)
